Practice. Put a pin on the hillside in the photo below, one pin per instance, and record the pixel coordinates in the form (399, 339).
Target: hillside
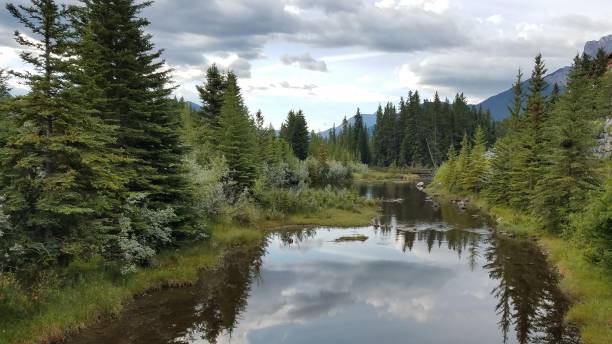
(498, 104)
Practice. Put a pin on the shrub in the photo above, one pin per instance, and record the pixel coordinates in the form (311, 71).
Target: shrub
(142, 231)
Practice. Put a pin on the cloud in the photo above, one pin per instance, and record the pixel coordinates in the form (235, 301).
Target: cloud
(305, 61)
(308, 87)
(495, 19)
(385, 29)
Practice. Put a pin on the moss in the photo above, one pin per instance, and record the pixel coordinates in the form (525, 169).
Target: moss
(588, 285)
(357, 237)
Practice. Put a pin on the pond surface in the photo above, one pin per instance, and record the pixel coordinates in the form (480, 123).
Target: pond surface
(430, 273)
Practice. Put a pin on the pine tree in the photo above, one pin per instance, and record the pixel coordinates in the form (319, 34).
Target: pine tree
(569, 167)
(475, 176)
(463, 165)
(5, 90)
(237, 139)
(295, 132)
(529, 157)
(377, 138)
(58, 173)
(212, 97)
(119, 57)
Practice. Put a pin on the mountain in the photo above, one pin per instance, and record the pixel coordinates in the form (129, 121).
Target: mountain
(368, 119)
(498, 104)
(194, 106)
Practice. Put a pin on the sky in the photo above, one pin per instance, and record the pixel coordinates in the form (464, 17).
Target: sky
(329, 57)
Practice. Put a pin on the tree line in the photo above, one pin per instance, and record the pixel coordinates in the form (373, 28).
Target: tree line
(414, 133)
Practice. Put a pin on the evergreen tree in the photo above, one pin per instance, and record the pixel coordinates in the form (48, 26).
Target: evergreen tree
(569, 167)
(528, 168)
(237, 139)
(475, 176)
(5, 90)
(120, 58)
(463, 164)
(377, 138)
(212, 97)
(57, 173)
(364, 146)
(295, 132)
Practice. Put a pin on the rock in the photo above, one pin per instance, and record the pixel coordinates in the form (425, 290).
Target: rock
(420, 185)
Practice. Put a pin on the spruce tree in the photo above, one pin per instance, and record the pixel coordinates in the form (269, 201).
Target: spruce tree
(569, 166)
(5, 90)
(59, 176)
(212, 97)
(295, 132)
(475, 176)
(463, 165)
(377, 138)
(237, 139)
(118, 56)
(529, 157)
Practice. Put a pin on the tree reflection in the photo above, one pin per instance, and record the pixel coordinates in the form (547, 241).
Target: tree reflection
(528, 296)
(223, 293)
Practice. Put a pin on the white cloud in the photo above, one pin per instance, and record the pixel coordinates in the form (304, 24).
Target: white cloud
(495, 19)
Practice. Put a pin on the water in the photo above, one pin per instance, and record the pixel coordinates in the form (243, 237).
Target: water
(430, 273)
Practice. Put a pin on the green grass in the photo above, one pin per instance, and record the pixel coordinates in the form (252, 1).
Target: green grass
(589, 286)
(357, 237)
(99, 294)
(231, 235)
(375, 176)
(327, 218)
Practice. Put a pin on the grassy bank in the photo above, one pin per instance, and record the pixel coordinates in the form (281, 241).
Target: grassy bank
(589, 286)
(98, 292)
(326, 218)
(387, 175)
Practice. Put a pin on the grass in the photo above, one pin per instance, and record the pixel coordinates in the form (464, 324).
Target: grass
(357, 237)
(588, 285)
(375, 176)
(99, 294)
(327, 218)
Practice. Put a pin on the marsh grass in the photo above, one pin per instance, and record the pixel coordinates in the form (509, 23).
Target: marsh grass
(397, 175)
(349, 238)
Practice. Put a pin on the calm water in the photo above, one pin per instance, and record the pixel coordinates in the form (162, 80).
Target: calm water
(430, 274)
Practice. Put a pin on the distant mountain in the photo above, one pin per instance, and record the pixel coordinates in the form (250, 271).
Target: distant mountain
(498, 104)
(368, 119)
(194, 106)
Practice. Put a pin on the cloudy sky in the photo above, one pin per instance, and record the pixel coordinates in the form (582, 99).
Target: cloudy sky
(329, 57)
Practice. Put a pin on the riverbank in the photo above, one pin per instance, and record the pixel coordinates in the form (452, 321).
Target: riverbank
(587, 285)
(394, 175)
(84, 293)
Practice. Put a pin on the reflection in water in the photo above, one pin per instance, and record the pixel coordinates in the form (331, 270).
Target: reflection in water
(429, 274)
(527, 294)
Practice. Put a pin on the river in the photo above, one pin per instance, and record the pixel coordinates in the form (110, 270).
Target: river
(430, 273)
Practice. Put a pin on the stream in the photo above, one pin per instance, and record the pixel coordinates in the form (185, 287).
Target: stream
(429, 273)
